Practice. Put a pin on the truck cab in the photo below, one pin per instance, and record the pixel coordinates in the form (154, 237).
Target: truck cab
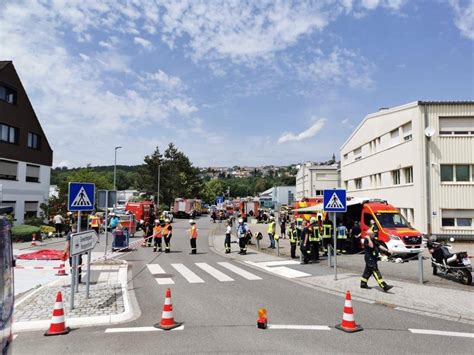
(394, 230)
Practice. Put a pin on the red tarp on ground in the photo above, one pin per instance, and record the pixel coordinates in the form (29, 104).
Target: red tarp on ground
(45, 254)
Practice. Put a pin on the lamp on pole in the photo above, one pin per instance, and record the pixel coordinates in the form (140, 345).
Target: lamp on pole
(115, 166)
(158, 187)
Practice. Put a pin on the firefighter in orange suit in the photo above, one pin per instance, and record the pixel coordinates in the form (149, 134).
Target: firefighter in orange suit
(193, 234)
(157, 236)
(167, 232)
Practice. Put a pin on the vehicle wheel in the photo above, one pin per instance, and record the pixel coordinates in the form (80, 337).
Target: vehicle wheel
(465, 277)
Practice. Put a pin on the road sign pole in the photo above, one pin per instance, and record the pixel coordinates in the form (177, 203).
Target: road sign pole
(88, 273)
(79, 218)
(73, 278)
(334, 224)
(106, 224)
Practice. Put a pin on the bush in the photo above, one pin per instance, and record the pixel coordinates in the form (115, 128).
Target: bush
(47, 229)
(34, 221)
(23, 233)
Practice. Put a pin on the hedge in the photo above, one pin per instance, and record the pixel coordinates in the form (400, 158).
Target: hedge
(23, 233)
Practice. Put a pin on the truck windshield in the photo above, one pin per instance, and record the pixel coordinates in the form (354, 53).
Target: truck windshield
(392, 220)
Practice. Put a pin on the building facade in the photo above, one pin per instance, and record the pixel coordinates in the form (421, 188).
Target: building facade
(25, 154)
(313, 179)
(277, 196)
(420, 158)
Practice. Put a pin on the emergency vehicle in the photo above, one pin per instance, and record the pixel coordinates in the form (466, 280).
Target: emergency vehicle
(394, 230)
(247, 208)
(183, 207)
(306, 203)
(142, 211)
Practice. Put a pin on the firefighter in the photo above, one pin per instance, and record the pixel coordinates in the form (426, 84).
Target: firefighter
(157, 235)
(148, 242)
(374, 228)
(313, 240)
(94, 222)
(193, 234)
(341, 238)
(271, 232)
(167, 233)
(327, 235)
(372, 250)
(304, 245)
(242, 230)
(293, 237)
(228, 232)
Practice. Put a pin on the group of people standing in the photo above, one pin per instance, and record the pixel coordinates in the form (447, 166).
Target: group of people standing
(162, 231)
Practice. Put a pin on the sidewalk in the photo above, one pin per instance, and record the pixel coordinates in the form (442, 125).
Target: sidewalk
(429, 299)
(109, 301)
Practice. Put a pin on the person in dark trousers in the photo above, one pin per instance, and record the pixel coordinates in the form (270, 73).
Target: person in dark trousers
(283, 226)
(304, 246)
(242, 235)
(157, 236)
(148, 233)
(293, 236)
(167, 234)
(67, 249)
(355, 237)
(193, 234)
(372, 251)
(228, 232)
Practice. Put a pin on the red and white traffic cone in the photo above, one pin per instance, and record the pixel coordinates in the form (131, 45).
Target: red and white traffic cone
(58, 324)
(348, 324)
(61, 270)
(33, 240)
(167, 320)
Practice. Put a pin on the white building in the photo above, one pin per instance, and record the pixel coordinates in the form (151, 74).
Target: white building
(277, 196)
(25, 154)
(313, 179)
(420, 158)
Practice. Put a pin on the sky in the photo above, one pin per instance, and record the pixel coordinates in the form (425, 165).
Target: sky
(229, 82)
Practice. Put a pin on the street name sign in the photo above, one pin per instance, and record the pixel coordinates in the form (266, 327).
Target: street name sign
(335, 200)
(83, 242)
(81, 196)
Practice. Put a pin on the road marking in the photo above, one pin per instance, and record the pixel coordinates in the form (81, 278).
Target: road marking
(439, 332)
(214, 272)
(280, 270)
(279, 263)
(156, 269)
(187, 274)
(298, 327)
(139, 329)
(245, 274)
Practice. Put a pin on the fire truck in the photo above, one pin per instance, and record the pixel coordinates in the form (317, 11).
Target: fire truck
(142, 211)
(184, 207)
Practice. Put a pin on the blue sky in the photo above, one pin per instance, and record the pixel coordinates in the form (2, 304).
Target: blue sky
(229, 82)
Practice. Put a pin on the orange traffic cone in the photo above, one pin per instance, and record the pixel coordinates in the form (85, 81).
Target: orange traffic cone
(62, 270)
(58, 324)
(348, 323)
(167, 321)
(33, 239)
(262, 319)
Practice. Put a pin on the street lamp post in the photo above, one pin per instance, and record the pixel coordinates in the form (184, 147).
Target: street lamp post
(158, 187)
(115, 166)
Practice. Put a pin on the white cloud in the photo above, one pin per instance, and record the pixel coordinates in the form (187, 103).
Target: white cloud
(308, 133)
(464, 17)
(143, 42)
(172, 82)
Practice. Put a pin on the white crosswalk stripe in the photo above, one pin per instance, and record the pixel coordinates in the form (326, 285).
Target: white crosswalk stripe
(156, 269)
(214, 272)
(245, 274)
(190, 276)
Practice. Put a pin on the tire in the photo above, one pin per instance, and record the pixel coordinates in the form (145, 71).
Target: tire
(465, 276)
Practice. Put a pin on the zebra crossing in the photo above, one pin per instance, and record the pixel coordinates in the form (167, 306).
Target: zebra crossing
(194, 274)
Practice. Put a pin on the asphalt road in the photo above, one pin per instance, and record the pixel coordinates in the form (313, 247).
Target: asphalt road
(220, 316)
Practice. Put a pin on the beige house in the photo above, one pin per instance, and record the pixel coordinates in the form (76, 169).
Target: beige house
(313, 179)
(419, 157)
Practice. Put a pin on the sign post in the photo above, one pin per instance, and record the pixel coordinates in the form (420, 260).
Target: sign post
(335, 200)
(106, 199)
(81, 197)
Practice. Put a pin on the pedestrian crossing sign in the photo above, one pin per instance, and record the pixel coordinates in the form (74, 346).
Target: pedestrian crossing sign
(335, 200)
(81, 196)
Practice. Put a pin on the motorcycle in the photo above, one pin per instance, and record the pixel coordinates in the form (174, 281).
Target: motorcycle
(458, 264)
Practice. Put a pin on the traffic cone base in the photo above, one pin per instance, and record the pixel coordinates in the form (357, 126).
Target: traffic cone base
(167, 320)
(62, 270)
(348, 323)
(58, 324)
(167, 327)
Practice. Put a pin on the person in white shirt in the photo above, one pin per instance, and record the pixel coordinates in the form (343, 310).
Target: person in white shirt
(58, 221)
(228, 232)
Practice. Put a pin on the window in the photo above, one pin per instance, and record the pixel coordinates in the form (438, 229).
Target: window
(8, 134)
(10, 204)
(358, 184)
(396, 177)
(319, 192)
(8, 95)
(367, 218)
(32, 173)
(31, 209)
(408, 173)
(358, 153)
(457, 218)
(447, 173)
(8, 170)
(395, 136)
(33, 140)
(406, 129)
(456, 125)
(462, 172)
(447, 222)
(464, 222)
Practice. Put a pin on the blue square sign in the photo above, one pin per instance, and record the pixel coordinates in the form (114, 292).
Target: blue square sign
(81, 196)
(335, 200)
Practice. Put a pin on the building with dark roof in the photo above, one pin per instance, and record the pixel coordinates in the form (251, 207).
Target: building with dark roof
(25, 154)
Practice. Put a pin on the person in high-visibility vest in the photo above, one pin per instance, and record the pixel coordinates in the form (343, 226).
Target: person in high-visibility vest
(327, 235)
(341, 238)
(157, 236)
(271, 232)
(372, 248)
(304, 244)
(293, 237)
(94, 222)
(228, 232)
(313, 240)
(167, 233)
(242, 230)
(193, 234)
